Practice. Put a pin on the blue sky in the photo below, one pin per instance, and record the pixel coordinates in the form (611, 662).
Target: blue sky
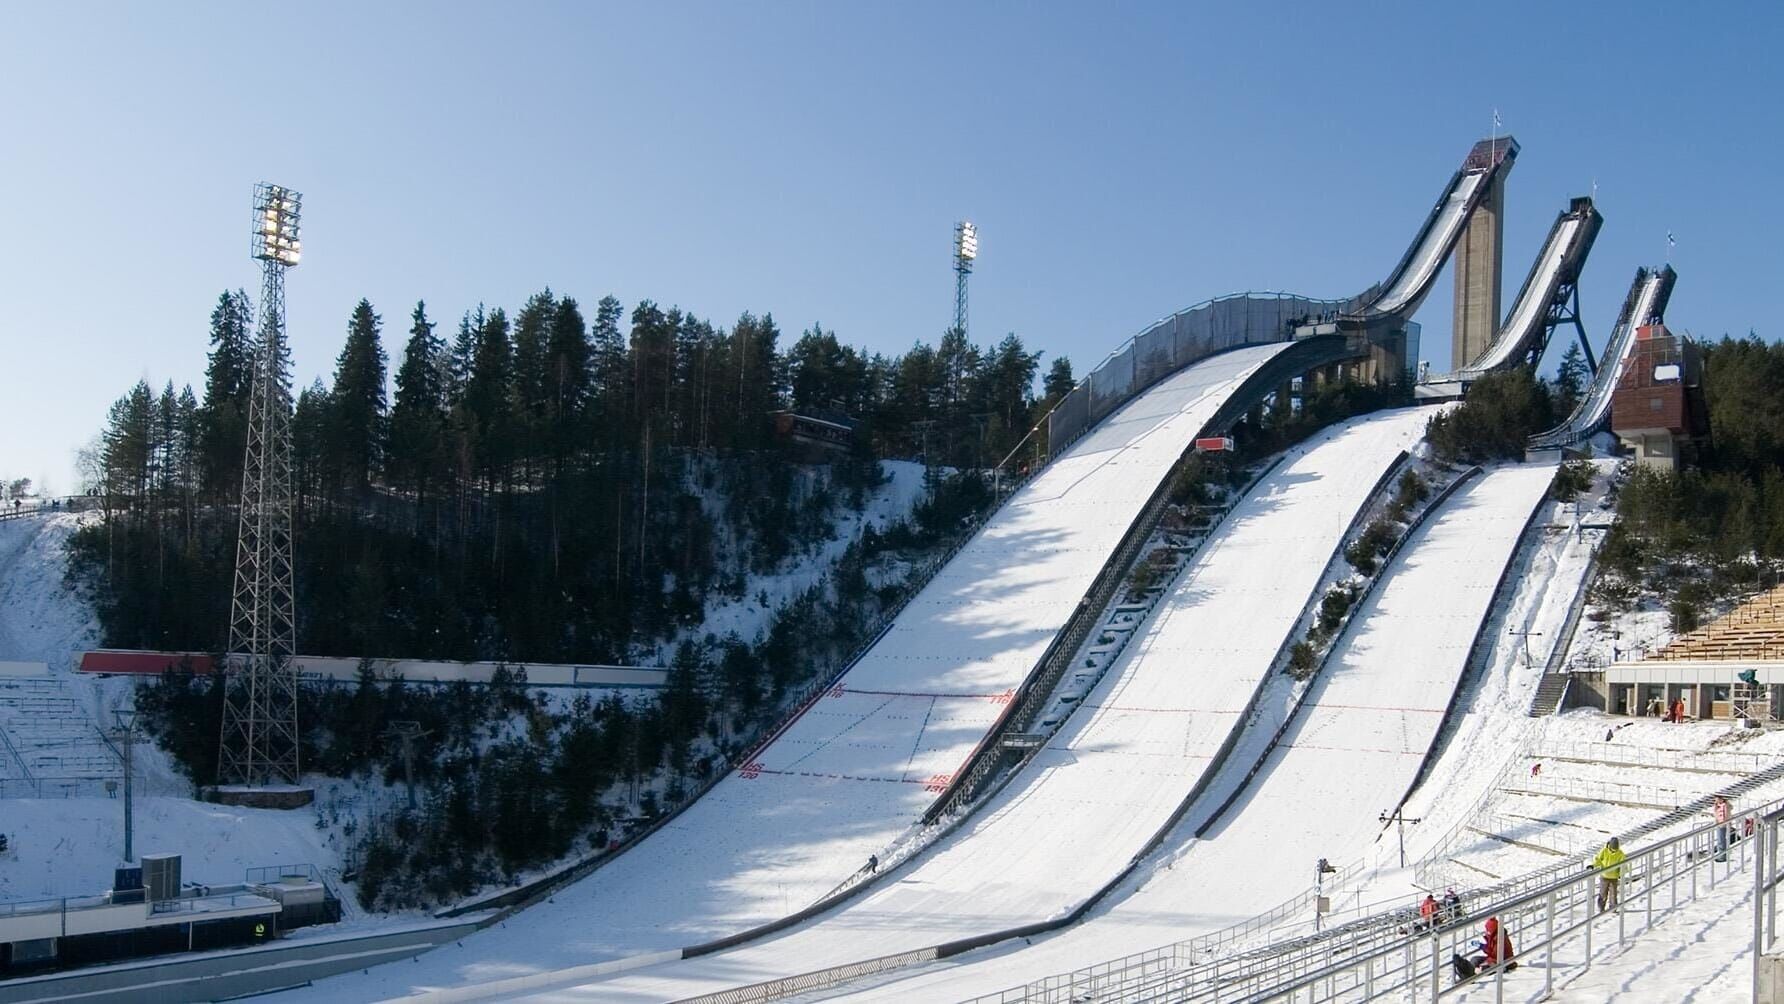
(808, 160)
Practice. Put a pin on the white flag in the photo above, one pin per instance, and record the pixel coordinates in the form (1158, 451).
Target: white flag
(1669, 240)
(1496, 122)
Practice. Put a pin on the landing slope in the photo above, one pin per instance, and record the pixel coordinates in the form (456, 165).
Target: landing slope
(1119, 768)
(853, 772)
(1352, 752)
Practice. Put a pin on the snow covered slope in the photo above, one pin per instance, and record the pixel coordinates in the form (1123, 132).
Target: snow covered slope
(1352, 753)
(40, 619)
(1117, 770)
(856, 770)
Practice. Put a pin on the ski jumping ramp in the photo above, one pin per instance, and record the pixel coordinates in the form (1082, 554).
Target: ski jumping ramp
(1115, 775)
(1645, 304)
(863, 762)
(1357, 745)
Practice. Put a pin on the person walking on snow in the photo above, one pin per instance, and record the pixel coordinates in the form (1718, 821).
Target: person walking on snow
(1428, 912)
(1535, 770)
(1609, 865)
(1678, 711)
(1719, 812)
(873, 864)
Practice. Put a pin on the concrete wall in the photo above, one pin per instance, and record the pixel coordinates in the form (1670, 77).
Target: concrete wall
(1479, 262)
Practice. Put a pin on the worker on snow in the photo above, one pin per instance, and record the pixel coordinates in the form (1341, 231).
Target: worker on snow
(1428, 912)
(1609, 863)
(1495, 947)
(873, 864)
(1719, 812)
(1678, 710)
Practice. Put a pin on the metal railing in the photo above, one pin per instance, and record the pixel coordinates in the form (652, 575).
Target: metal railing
(1623, 755)
(1548, 923)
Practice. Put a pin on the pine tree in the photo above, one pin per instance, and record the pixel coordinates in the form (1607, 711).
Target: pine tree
(223, 418)
(568, 360)
(1570, 379)
(357, 401)
(532, 330)
(488, 400)
(1059, 380)
(416, 455)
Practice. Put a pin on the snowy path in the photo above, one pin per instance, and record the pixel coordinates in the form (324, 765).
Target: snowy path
(1352, 753)
(1117, 770)
(854, 772)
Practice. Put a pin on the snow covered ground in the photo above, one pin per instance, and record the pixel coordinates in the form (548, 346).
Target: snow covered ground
(41, 620)
(1113, 775)
(1321, 791)
(854, 772)
(748, 617)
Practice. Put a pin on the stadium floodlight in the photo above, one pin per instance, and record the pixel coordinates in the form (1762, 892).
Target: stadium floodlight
(277, 213)
(966, 243)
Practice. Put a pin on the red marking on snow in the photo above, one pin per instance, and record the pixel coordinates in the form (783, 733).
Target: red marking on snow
(837, 691)
(751, 770)
(755, 770)
(1163, 711)
(1358, 749)
(1005, 697)
(1382, 707)
(919, 694)
(938, 782)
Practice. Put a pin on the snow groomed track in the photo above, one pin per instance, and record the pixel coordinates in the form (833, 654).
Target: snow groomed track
(1355, 748)
(1113, 776)
(853, 772)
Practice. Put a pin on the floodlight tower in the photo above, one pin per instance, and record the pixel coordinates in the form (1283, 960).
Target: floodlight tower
(260, 738)
(966, 248)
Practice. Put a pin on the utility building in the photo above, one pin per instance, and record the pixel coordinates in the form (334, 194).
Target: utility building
(1658, 409)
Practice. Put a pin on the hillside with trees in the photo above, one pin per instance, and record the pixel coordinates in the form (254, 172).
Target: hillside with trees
(541, 486)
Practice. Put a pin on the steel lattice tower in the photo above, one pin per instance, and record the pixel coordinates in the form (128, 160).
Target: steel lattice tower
(966, 248)
(260, 738)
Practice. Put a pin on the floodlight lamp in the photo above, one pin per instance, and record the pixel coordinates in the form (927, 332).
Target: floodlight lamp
(966, 241)
(277, 212)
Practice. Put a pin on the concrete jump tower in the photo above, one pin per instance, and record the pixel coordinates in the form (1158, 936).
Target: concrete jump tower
(1480, 258)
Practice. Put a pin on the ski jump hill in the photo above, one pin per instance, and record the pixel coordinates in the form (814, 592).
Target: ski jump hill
(910, 732)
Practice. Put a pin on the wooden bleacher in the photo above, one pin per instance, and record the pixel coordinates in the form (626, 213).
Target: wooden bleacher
(1753, 630)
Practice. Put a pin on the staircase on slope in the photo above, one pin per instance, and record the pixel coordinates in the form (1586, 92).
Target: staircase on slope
(48, 743)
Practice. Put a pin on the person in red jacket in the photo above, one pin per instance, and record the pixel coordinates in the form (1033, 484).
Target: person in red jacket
(1495, 947)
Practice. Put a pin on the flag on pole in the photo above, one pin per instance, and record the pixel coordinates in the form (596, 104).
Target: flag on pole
(1496, 122)
(1669, 240)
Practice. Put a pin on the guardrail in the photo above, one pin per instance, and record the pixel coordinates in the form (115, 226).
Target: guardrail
(1623, 755)
(1175, 341)
(1538, 923)
(45, 507)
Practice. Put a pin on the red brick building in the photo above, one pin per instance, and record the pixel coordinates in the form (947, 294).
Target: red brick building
(1658, 408)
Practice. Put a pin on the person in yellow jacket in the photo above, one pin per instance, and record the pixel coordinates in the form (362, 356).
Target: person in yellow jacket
(1609, 864)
